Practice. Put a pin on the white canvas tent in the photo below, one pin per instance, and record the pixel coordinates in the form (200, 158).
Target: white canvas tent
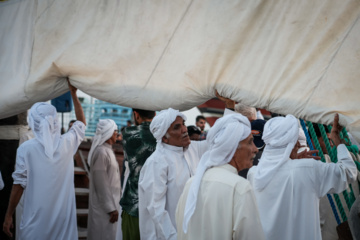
(297, 57)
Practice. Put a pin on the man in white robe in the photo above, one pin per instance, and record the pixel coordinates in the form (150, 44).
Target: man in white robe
(44, 173)
(287, 189)
(164, 174)
(217, 203)
(19, 208)
(105, 185)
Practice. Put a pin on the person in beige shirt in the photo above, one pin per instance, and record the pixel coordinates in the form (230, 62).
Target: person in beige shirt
(217, 203)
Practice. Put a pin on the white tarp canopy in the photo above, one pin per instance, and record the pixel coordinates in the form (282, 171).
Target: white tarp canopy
(297, 57)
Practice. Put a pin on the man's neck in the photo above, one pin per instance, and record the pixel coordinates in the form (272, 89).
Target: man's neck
(143, 120)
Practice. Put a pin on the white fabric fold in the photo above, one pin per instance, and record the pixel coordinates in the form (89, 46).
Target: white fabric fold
(161, 123)
(104, 130)
(284, 56)
(302, 137)
(280, 136)
(45, 126)
(222, 139)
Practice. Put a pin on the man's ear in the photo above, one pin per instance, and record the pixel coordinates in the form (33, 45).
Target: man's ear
(136, 116)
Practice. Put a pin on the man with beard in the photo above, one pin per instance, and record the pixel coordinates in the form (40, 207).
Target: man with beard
(165, 173)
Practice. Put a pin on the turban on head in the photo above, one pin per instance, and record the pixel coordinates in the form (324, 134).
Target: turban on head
(104, 130)
(222, 139)
(162, 121)
(43, 122)
(280, 136)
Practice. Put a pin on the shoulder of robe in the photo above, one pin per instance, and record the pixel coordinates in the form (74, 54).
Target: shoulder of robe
(243, 186)
(28, 145)
(80, 123)
(100, 150)
(156, 159)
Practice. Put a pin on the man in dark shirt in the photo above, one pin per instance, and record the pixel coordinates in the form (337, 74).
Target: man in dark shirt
(138, 145)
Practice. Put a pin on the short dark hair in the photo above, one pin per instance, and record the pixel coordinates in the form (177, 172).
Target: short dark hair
(122, 129)
(193, 130)
(72, 121)
(129, 121)
(145, 113)
(198, 118)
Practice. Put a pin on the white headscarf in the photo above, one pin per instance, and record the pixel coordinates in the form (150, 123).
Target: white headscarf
(161, 123)
(43, 121)
(222, 139)
(104, 130)
(280, 136)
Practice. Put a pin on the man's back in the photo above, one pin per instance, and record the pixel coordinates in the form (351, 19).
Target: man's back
(49, 198)
(225, 209)
(139, 144)
(290, 202)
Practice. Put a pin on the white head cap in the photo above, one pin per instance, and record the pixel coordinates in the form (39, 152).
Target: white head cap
(245, 110)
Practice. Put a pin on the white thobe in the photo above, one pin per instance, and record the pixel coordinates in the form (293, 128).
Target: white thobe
(19, 208)
(289, 204)
(328, 222)
(225, 208)
(105, 193)
(162, 180)
(49, 195)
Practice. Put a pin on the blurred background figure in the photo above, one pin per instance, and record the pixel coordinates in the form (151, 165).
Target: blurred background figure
(194, 133)
(200, 123)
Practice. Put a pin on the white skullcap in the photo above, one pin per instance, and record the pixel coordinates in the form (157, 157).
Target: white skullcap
(43, 121)
(162, 121)
(222, 139)
(104, 130)
(280, 136)
(302, 137)
(247, 111)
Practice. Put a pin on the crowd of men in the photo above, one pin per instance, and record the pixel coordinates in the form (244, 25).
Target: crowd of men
(181, 182)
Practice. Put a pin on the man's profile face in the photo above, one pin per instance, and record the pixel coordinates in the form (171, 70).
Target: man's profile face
(177, 134)
(201, 124)
(245, 154)
(114, 136)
